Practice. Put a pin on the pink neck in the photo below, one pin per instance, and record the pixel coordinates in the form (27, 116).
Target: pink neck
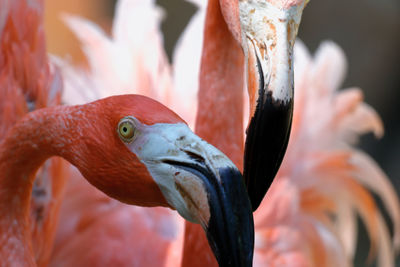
(220, 113)
(196, 251)
(220, 110)
(32, 140)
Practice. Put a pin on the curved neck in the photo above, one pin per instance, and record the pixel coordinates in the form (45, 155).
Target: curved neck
(36, 137)
(220, 113)
(220, 109)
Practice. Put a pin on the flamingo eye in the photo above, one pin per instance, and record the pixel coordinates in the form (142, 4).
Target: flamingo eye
(126, 129)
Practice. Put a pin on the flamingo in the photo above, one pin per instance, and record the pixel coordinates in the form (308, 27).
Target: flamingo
(292, 226)
(131, 147)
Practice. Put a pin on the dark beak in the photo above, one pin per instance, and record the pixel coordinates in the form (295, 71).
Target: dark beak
(270, 86)
(267, 139)
(230, 228)
(269, 30)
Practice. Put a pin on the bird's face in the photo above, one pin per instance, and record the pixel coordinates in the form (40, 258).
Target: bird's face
(144, 149)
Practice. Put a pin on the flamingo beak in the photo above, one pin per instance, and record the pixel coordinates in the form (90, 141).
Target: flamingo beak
(227, 218)
(203, 185)
(268, 36)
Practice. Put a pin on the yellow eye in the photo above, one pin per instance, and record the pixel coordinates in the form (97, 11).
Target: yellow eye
(126, 129)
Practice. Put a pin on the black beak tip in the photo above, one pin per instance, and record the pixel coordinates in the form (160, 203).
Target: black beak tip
(231, 228)
(266, 142)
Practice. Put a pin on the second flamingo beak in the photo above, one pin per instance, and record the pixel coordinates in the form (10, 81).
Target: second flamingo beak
(268, 36)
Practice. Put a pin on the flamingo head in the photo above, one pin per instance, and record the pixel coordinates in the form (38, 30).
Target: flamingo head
(266, 30)
(140, 152)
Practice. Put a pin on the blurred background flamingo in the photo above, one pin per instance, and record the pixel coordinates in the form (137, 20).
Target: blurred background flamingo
(22, 93)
